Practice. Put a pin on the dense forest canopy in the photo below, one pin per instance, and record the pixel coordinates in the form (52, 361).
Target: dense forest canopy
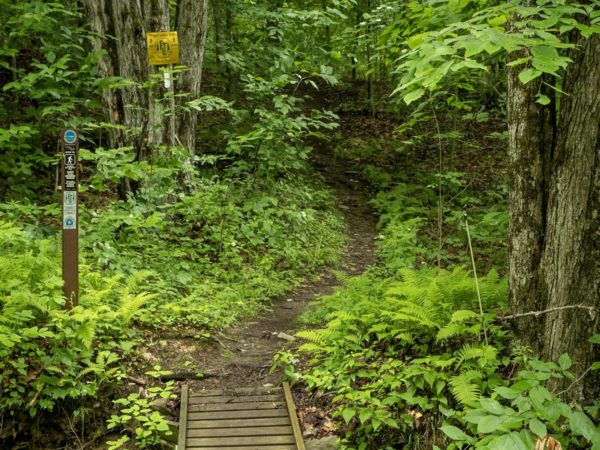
(473, 125)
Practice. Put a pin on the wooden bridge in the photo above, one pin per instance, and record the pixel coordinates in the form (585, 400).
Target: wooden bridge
(244, 419)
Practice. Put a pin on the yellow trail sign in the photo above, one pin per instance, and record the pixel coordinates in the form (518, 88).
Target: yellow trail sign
(163, 48)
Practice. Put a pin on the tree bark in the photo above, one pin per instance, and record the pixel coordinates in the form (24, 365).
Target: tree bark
(571, 259)
(554, 214)
(192, 25)
(160, 130)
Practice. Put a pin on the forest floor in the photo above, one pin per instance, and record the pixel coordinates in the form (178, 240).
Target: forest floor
(243, 355)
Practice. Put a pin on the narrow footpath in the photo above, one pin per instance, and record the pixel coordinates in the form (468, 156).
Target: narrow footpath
(242, 356)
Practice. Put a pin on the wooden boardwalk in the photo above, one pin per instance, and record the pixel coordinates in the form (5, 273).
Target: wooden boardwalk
(245, 419)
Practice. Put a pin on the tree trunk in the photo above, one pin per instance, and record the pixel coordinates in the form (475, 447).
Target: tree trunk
(554, 215)
(160, 130)
(100, 20)
(130, 36)
(192, 25)
(571, 259)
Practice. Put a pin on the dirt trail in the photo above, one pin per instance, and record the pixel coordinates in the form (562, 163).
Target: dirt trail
(243, 355)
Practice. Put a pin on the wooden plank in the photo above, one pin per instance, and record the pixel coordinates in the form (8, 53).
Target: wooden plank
(241, 406)
(249, 431)
(293, 418)
(238, 392)
(217, 415)
(236, 398)
(239, 441)
(183, 413)
(252, 447)
(235, 423)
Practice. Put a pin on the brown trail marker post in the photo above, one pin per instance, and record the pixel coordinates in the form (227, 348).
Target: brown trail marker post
(70, 217)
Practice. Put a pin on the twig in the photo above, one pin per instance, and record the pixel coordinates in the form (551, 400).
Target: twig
(575, 382)
(476, 281)
(591, 309)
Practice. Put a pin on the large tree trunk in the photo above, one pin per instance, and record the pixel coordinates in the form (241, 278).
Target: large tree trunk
(554, 215)
(571, 259)
(192, 16)
(160, 130)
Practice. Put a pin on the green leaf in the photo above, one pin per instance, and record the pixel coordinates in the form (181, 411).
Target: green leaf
(498, 21)
(414, 95)
(348, 413)
(454, 433)
(564, 361)
(364, 415)
(543, 100)
(507, 393)
(595, 339)
(492, 406)
(525, 76)
(488, 424)
(538, 427)
(582, 425)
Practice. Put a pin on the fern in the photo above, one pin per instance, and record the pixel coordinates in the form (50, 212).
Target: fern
(466, 387)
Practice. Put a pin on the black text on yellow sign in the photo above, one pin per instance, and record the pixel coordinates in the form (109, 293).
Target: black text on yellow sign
(163, 48)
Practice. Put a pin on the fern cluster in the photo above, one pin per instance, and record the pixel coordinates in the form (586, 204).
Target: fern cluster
(48, 354)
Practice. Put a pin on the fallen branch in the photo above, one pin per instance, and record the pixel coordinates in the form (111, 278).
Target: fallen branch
(188, 375)
(137, 381)
(591, 310)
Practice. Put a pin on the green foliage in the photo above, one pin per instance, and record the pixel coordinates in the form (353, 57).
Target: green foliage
(396, 347)
(137, 416)
(48, 354)
(47, 75)
(520, 410)
(538, 36)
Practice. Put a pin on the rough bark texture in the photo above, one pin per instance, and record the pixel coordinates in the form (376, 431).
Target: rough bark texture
(192, 18)
(554, 214)
(100, 20)
(160, 129)
(529, 164)
(571, 260)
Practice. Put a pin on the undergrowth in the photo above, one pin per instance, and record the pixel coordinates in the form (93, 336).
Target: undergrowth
(412, 357)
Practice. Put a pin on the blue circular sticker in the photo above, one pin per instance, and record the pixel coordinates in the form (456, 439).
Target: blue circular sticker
(70, 136)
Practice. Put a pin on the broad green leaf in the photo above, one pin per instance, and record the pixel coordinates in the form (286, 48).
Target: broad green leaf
(489, 424)
(364, 415)
(492, 406)
(525, 76)
(454, 433)
(498, 21)
(506, 392)
(414, 95)
(348, 413)
(564, 361)
(538, 427)
(582, 425)
(543, 99)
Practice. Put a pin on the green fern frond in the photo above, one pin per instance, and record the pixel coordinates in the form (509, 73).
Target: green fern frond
(314, 336)
(470, 351)
(450, 330)
(466, 387)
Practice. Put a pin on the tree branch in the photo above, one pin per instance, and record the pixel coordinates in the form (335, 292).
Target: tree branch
(591, 310)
